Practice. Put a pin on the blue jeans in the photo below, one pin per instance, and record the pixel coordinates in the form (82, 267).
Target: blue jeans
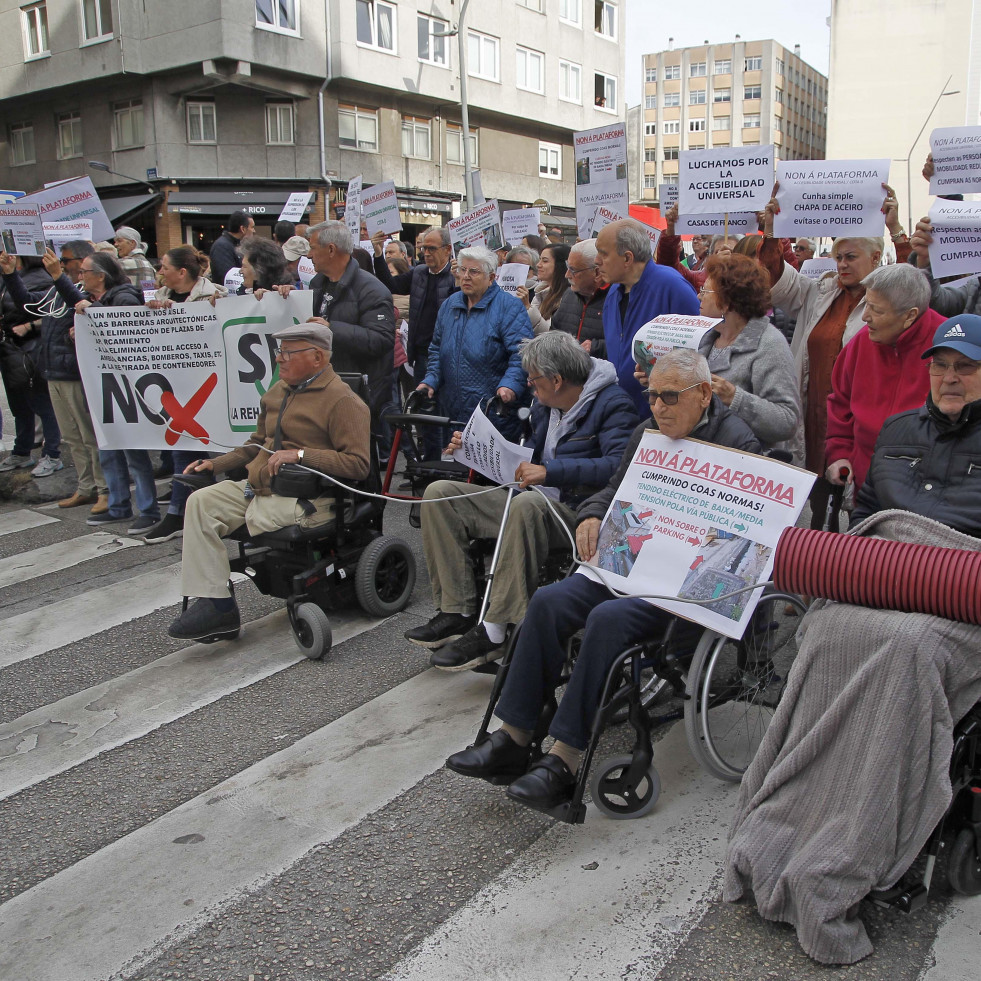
(179, 493)
(121, 465)
(554, 614)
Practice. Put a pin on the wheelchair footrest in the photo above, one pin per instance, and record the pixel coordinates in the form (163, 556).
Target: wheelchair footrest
(569, 812)
(899, 897)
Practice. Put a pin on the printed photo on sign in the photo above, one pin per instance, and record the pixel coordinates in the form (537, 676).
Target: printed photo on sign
(481, 226)
(665, 333)
(21, 230)
(601, 172)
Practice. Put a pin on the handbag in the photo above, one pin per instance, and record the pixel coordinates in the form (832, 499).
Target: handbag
(292, 479)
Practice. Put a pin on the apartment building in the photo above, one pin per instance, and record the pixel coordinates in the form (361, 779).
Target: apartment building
(220, 104)
(739, 94)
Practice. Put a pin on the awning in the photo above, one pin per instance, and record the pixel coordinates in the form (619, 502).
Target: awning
(125, 207)
(262, 201)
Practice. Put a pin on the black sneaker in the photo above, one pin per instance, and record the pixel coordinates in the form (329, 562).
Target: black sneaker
(106, 518)
(170, 526)
(202, 620)
(443, 628)
(472, 649)
(497, 758)
(141, 524)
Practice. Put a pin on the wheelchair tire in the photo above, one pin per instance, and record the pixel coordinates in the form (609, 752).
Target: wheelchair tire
(616, 799)
(734, 686)
(963, 864)
(311, 631)
(385, 576)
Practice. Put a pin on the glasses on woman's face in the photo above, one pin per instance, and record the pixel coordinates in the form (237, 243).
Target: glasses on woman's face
(704, 290)
(667, 397)
(963, 369)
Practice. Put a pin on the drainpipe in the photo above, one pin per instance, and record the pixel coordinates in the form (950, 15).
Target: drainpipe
(320, 104)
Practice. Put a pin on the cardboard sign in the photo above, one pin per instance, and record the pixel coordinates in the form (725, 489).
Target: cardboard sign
(72, 200)
(817, 268)
(667, 195)
(601, 172)
(956, 160)
(380, 208)
(21, 230)
(956, 247)
(724, 179)
(739, 223)
(667, 332)
(352, 208)
(512, 275)
(296, 206)
(60, 232)
(519, 223)
(485, 450)
(482, 226)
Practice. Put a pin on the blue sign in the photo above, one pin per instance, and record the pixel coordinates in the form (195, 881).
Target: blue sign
(6, 197)
(151, 173)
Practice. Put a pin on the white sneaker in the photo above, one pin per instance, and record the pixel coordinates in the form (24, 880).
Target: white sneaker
(15, 462)
(46, 467)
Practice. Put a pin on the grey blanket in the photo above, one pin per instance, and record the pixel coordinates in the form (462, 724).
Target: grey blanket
(852, 775)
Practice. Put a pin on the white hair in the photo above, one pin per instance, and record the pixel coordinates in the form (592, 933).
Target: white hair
(483, 256)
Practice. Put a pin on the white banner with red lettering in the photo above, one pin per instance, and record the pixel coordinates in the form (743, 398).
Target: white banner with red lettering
(187, 378)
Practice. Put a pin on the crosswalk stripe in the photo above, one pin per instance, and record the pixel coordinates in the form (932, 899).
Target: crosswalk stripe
(14, 521)
(246, 830)
(63, 555)
(640, 885)
(57, 737)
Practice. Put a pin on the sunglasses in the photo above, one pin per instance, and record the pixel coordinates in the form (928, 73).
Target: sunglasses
(668, 398)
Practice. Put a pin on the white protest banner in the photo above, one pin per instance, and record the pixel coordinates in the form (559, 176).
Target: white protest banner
(739, 223)
(956, 160)
(380, 208)
(724, 179)
(956, 246)
(698, 521)
(667, 196)
(517, 224)
(71, 200)
(816, 268)
(830, 197)
(485, 450)
(512, 275)
(21, 231)
(296, 206)
(59, 232)
(601, 172)
(667, 332)
(482, 226)
(305, 270)
(187, 378)
(602, 217)
(352, 207)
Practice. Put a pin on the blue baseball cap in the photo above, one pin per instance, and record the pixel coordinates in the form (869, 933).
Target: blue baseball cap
(961, 334)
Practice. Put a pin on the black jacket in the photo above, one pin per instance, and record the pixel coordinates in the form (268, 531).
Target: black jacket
(583, 319)
(224, 256)
(927, 464)
(55, 354)
(723, 427)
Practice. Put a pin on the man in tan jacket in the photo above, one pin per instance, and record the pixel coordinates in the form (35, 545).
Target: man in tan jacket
(310, 416)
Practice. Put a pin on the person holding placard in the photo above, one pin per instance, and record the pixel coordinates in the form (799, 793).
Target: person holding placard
(947, 300)
(699, 251)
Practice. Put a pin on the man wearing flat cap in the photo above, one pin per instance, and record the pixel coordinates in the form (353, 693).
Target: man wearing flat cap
(309, 416)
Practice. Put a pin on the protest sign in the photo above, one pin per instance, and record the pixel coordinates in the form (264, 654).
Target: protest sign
(601, 172)
(519, 223)
(482, 226)
(233, 279)
(724, 179)
(305, 270)
(664, 333)
(296, 206)
(816, 268)
(830, 197)
(60, 232)
(956, 246)
(956, 160)
(485, 450)
(352, 208)
(667, 196)
(21, 231)
(512, 275)
(698, 521)
(602, 217)
(71, 200)
(187, 378)
(739, 223)
(380, 208)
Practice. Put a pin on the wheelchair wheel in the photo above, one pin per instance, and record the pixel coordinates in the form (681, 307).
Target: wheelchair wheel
(311, 630)
(734, 686)
(963, 865)
(615, 797)
(385, 577)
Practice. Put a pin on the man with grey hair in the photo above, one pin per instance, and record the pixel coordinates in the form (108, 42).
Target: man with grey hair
(580, 311)
(357, 308)
(580, 423)
(804, 248)
(395, 248)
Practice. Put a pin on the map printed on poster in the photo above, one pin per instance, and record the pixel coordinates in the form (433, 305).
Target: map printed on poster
(296, 206)
(740, 223)
(352, 208)
(21, 231)
(482, 226)
(71, 200)
(60, 232)
(956, 246)
(830, 197)
(485, 450)
(512, 275)
(698, 521)
(186, 378)
(956, 160)
(520, 222)
(724, 179)
(380, 208)
(816, 268)
(665, 333)
(601, 172)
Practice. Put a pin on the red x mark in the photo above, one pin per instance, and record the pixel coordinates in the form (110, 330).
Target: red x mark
(182, 416)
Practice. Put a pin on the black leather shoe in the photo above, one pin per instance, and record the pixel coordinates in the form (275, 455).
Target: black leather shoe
(203, 621)
(546, 785)
(195, 480)
(498, 759)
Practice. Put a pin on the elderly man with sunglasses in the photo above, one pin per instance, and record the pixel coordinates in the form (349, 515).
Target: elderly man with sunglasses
(682, 405)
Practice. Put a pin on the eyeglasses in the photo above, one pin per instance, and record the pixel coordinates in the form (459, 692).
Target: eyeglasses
(85, 269)
(963, 369)
(575, 272)
(533, 382)
(704, 290)
(801, 248)
(431, 248)
(468, 273)
(285, 355)
(668, 398)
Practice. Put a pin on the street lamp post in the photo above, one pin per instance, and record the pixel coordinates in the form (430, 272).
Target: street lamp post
(106, 169)
(464, 105)
(909, 156)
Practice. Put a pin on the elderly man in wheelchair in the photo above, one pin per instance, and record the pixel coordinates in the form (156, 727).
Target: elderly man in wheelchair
(311, 417)
(682, 405)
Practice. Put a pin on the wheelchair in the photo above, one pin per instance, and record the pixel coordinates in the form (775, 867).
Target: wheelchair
(347, 560)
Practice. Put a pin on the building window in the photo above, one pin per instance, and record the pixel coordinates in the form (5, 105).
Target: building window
(21, 144)
(606, 18)
(376, 25)
(650, 180)
(201, 127)
(696, 69)
(454, 144)
(96, 20)
(672, 99)
(531, 4)
(482, 55)
(752, 64)
(127, 122)
(650, 101)
(432, 49)
(778, 96)
(550, 160)
(529, 69)
(781, 70)
(571, 11)
(672, 72)
(416, 138)
(605, 92)
(279, 124)
(670, 126)
(650, 75)
(35, 24)
(719, 145)
(720, 122)
(670, 153)
(278, 15)
(570, 82)
(650, 155)
(69, 135)
(696, 125)
(357, 128)
(696, 97)
(722, 67)
(777, 124)
(752, 91)
(722, 95)
(650, 129)
(751, 121)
